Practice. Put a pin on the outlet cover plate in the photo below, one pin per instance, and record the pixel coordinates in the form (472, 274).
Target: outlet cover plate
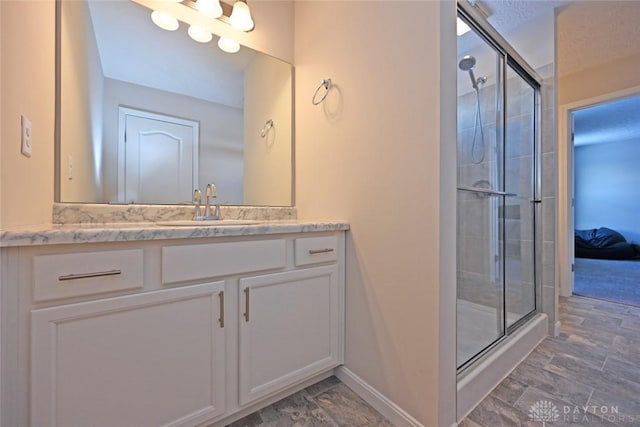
(25, 146)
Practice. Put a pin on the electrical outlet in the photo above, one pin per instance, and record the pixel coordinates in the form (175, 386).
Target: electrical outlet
(70, 168)
(25, 146)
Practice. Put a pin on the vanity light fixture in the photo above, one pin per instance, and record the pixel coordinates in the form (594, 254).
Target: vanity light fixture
(228, 45)
(199, 34)
(241, 16)
(238, 16)
(164, 20)
(209, 8)
(461, 27)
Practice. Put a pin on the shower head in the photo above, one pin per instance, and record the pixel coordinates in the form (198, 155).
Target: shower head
(467, 63)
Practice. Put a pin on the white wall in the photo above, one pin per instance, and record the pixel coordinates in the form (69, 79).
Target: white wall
(267, 181)
(220, 135)
(607, 187)
(28, 87)
(81, 106)
(378, 153)
(600, 80)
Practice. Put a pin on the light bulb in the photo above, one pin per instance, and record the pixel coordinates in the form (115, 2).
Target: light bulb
(209, 8)
(164, 20)
(241, 16)
(228, 45)
(199, 34)
(461, 27)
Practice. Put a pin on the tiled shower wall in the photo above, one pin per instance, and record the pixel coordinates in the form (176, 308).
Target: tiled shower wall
(549, 196)
(475, 164)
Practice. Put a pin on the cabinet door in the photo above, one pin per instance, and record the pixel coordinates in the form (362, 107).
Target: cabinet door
(289, 329)
(152, 359)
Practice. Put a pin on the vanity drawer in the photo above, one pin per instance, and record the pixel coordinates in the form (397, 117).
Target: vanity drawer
(86, 273)
(314, 250)
(193, 262)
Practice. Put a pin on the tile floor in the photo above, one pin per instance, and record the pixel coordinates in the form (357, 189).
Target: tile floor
(328, 403)
(590, 373)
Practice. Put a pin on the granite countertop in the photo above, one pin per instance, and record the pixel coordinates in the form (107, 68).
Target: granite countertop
(123, 232)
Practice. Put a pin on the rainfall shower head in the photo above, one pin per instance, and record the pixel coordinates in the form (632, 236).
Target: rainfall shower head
(466, 64)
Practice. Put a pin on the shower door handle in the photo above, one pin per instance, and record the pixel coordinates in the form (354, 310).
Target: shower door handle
(486, 191)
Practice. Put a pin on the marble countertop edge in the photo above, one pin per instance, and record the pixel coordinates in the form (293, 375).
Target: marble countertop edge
(129, 232)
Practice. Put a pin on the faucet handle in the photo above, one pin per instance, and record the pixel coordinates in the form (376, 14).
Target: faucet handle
(197, 200)
(211, 191)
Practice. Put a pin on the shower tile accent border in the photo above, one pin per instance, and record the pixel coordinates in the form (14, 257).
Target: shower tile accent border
(86, 213)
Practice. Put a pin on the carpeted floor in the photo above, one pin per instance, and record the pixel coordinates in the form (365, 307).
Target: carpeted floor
(617, 281)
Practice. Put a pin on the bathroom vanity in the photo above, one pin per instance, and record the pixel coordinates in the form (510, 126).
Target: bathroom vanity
(148, 325)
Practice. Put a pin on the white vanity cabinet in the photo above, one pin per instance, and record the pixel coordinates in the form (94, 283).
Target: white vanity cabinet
(290, 329)
(187, 332)
(151, 359)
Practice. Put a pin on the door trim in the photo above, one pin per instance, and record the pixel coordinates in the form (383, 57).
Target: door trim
(565, 166)
(123, 112)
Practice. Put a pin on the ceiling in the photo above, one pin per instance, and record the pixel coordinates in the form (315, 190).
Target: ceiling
(588, 33)
(508, 15)
(595, 32)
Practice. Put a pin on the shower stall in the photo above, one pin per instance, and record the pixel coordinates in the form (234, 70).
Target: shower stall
(497, 192)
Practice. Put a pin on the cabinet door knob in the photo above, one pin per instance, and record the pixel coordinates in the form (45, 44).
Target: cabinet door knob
(221, 319)
(246, 304)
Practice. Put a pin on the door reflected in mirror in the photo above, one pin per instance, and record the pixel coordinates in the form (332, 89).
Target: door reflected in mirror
(147, 115)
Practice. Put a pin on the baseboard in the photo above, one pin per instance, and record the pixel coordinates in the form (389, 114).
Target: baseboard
(398, 416)
(556, 328)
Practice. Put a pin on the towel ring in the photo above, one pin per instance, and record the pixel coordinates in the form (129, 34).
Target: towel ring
(267, 125)
(326, 83)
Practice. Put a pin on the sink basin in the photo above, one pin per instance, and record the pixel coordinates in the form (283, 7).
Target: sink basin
(207, 223)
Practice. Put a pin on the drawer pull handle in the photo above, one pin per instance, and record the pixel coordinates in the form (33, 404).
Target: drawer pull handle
(246, 304)
(221, 319)
(320, 251)
(89, 275)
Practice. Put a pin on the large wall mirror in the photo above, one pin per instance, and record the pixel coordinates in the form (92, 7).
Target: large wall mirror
(147, 115)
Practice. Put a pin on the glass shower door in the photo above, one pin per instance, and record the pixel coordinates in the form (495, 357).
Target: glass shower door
(496, 191)
(519, 210)
(480, 198)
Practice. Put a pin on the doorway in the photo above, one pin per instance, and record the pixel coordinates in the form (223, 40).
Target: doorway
(605, 190)
(567, 223)
(157, 157)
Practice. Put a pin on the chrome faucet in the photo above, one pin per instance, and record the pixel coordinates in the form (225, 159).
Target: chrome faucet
(211, 192)
(197, 201)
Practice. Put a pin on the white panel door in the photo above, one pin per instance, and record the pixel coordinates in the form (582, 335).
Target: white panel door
(153, 359)
(289, 329)
(160, 159)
